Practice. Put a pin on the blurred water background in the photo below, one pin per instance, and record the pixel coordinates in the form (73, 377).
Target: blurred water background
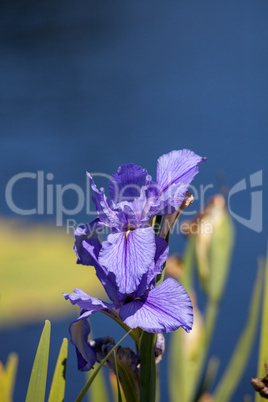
(87, 86)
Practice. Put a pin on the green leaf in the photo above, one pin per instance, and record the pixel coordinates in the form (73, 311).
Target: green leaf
(263, 352)
(117, 380)
(177, 368)
(91, 379)
(11, 371)
(237, 364)
(7, 377)
(37, 385)
(220, 254)
(188, 262)
(210, 375)
(129, 379)
(57, 389)
(147, 368)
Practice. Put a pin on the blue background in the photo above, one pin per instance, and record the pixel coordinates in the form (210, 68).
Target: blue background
(89, 85)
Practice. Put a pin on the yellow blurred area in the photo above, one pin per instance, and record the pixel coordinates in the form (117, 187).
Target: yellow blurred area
(38, 263)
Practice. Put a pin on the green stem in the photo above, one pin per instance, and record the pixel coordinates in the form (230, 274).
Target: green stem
(148, 369)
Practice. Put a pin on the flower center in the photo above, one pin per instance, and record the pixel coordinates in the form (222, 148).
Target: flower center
(129, 299)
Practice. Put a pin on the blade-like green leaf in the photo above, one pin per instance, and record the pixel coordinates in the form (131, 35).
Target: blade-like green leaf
(263, 353)
(188, 263)
(37, 385)
(57, 389)
(237, 364)
(129, 379)
(119, 399)
(220, 254)
(91, 379)
(210, 375)
(147, 368)
(177, 368)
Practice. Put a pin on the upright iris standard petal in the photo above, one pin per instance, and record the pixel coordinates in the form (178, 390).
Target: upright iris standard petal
(128, 256)
(105, 207)
(177, 167)
(86, 355)
(127, 182)
(175, 171)
(163, 309)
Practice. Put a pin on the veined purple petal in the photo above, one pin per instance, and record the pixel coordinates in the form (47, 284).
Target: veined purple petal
(163, 309)
(86, 355)
(175, 171)
(136, 210)
(127, 182)
(170, 201)
(177, 167)
(86, 302)
(128, 256)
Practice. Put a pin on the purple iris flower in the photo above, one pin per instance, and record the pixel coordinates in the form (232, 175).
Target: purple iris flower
(131, 258)
(128, 213)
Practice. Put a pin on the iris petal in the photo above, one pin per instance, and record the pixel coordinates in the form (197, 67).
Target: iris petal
(104, 207)
(163, 309)
(107, 278)
(127, 182)
(86, 355)
(177, 167)
(149, 279)
(86, 302)
(89, 234)
(175, 171)
(128, 257)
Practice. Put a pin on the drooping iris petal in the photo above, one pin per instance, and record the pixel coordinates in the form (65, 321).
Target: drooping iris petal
(89, 234)
(163, 309)
(177, 167)
(149, 279)
(86, 302)
(107, 278)
(86, 355)
(128, 256)
(161, 255)
(127, 182)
